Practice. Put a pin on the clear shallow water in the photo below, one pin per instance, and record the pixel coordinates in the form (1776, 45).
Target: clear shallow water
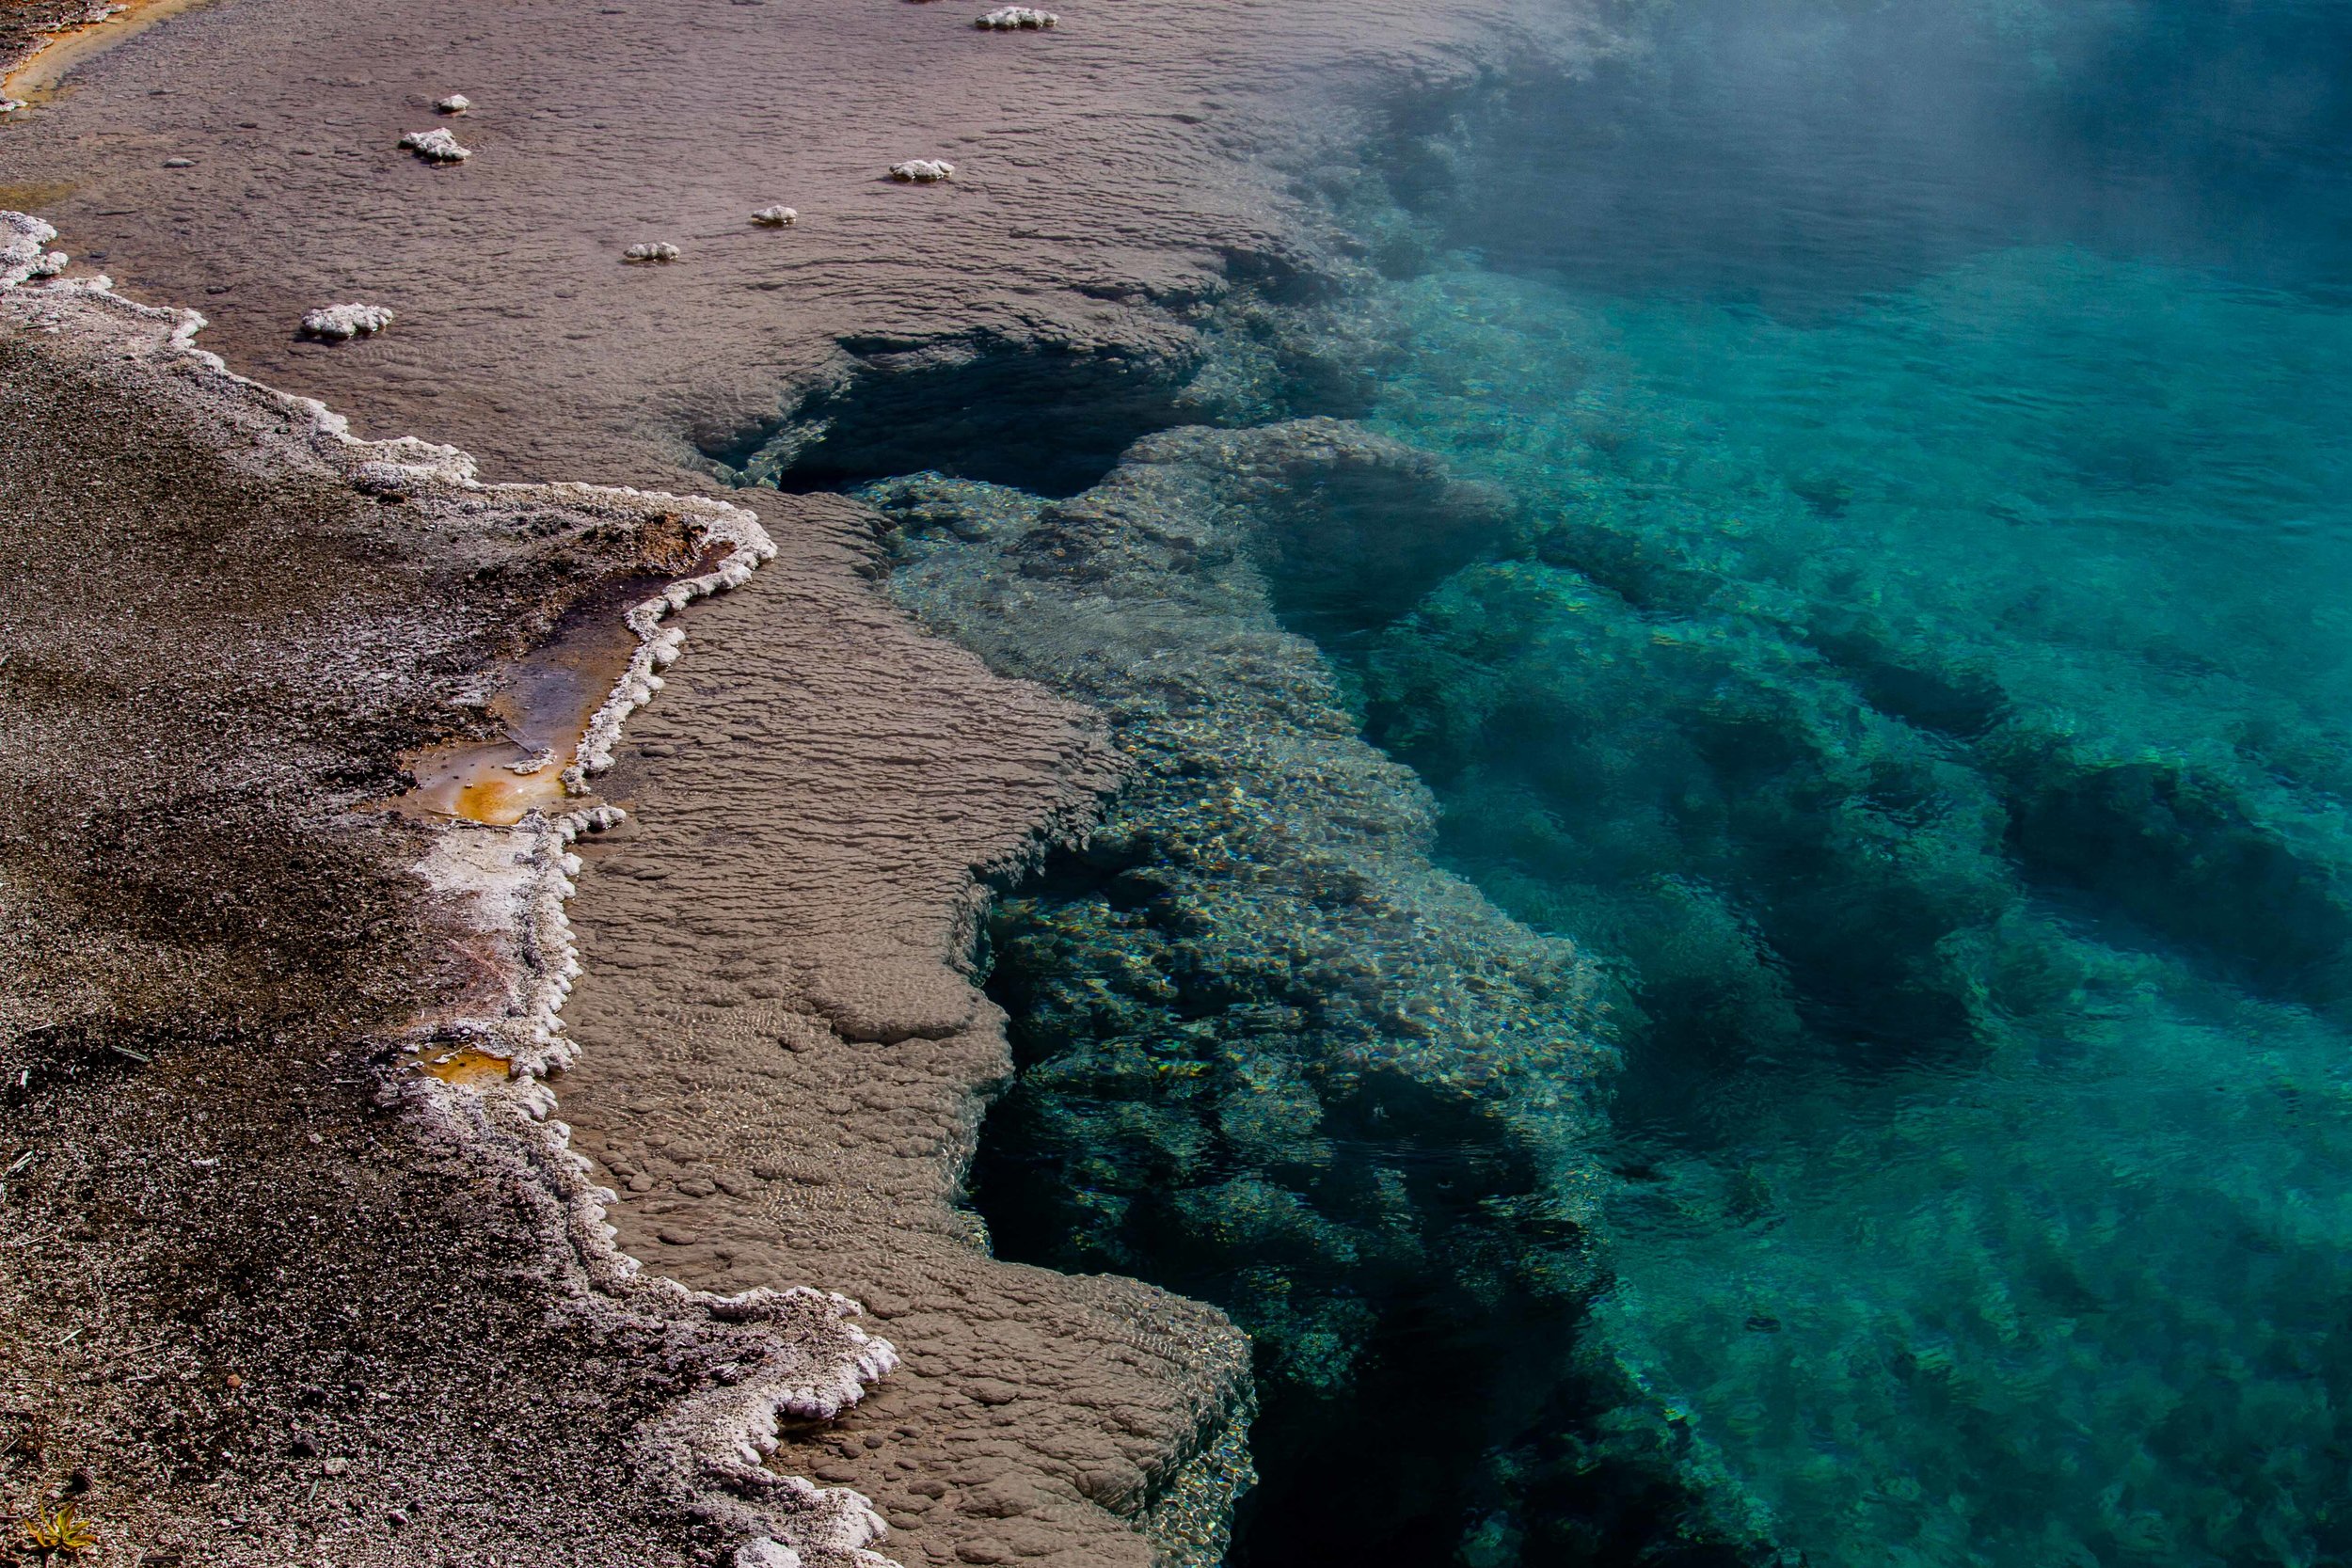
(1927, 709)
(1922, 668)
(1905, 646)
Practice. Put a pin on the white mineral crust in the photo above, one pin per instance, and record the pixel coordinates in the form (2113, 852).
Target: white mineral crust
(776, 217)
(766, 1552)
(24, 253)
(435, 147)
(456, 104)
(339, 321)
(655, 252)
(1006, 19)
(922, 171)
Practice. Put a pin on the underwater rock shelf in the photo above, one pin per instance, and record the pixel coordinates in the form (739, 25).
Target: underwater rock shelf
(1270, 1055)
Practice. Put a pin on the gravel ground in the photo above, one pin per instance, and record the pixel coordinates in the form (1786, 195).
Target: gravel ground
(256, 1304)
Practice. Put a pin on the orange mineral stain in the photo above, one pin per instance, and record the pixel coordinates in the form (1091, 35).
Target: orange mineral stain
(39, 76)
(541, 706)
(480, 782)
(466, 1068)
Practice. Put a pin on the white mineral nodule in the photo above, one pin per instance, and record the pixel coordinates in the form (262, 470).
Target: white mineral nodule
(9, 105)
(650, 253)
(922, 171)
(341, 322)
(776, 217)
(1006, 19)
(456, 104)
(435, 147)
(25, 252)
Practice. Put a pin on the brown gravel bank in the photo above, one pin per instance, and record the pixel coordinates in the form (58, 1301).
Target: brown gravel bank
(255, 1305)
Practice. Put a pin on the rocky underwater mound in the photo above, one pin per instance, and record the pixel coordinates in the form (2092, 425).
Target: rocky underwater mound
(1271, 1054)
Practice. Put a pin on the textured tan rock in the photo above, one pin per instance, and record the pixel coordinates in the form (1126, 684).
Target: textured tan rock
(1128, 169)
(817, 1066)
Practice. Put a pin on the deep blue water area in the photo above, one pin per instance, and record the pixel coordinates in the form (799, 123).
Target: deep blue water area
(1850, 535)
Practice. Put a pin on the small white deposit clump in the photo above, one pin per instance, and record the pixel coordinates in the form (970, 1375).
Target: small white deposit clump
(456, 104)
(1006, 19)
(435, 147)
(776, 217)
(337, 323)
(652, 252)
(922, 171)
(25, 252)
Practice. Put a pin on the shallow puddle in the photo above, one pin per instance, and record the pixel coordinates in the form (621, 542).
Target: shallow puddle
(466, 1068)
(541, 704)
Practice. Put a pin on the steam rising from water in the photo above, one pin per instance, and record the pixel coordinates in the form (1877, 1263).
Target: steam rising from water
(1800, 151)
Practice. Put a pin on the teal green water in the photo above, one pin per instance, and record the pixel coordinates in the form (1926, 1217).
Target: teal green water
(1848, 528)
(1936, 705)
(1922, 668)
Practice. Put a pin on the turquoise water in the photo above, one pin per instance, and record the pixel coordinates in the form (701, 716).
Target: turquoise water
(1935, 707)
(1837, 1049)
(1921, 666)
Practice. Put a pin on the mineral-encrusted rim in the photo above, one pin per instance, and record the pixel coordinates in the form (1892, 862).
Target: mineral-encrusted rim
(706, 1451)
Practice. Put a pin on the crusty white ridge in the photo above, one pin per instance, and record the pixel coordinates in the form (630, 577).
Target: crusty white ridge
(25, 252)
(795, 1352)
(813, 1361)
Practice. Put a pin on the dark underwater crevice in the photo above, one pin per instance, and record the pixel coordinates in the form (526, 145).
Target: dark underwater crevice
(2184, 857)
(1270, 340)
(1422, 1292)
(1349, 546)
(1040, 418)
(1266, 1055)
(2179, 855)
